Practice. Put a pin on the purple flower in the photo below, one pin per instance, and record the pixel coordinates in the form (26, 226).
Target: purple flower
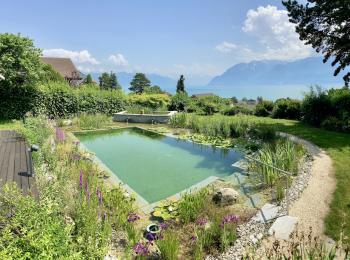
(60, 134)
(150, 236)
(228, 219)
(164, 226)
(81, 179)
(193, 238)
(201, 222)
(76, 143)
(99, 195)
(132, 217)
(141, 249)
(76, 157)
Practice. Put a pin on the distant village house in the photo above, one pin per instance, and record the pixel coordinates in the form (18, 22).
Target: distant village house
(203, 95)
(66, 68)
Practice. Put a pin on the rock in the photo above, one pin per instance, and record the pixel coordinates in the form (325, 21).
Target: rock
(283, 227)
(225, 196)
(67, 122)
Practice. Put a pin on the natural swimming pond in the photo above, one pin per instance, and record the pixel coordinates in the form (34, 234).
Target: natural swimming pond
(157, 166)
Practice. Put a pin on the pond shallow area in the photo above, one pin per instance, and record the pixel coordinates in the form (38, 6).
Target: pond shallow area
(157, 166)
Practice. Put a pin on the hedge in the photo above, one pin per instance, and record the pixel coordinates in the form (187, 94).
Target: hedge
(58, 100)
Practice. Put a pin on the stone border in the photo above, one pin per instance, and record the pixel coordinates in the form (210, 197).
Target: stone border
(163, 118)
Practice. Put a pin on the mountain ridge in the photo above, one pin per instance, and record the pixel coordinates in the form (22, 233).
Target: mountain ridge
(304, 71)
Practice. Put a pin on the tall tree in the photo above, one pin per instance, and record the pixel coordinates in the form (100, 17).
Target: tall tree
(114, 81)
(109, 81)
(139, 83)
(88, 79)
(104, 80)
(180, 87)
(325, 25)
(21, 69)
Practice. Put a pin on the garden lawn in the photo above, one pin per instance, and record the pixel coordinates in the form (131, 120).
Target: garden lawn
(8, 124)
(337, 146)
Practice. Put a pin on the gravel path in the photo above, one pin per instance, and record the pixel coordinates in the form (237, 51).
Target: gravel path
(313, 205)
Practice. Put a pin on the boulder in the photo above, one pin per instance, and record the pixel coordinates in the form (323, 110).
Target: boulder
(225, 196)
(67, 122)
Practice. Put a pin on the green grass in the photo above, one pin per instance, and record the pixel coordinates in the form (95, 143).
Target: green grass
(8, 124)
(337, 146)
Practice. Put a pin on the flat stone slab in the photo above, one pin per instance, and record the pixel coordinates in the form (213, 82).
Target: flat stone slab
(283, 227)
(267, 213)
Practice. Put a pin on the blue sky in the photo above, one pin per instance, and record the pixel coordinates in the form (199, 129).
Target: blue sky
(200, 38)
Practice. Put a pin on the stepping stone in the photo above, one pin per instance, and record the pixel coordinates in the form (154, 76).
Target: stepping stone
(267, 213)
(283, 227)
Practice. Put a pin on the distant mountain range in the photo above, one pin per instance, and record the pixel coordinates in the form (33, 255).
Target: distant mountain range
(306, 71)
(271, 79)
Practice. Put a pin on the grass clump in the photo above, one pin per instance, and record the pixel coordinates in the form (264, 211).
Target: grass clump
(168, 245)
(92, 121)
(191, 205)
(283, 154)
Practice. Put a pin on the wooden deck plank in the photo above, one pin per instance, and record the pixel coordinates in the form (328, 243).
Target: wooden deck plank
(17, 177)
(11, 163)
(4, 165)
(14, 162)
(23, 168)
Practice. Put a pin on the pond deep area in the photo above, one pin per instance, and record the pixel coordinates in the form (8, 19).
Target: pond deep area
(158, 166)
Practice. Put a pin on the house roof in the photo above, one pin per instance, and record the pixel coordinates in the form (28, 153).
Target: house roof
(63, 66)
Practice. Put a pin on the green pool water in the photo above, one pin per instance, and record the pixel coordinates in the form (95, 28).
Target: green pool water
(157, 166)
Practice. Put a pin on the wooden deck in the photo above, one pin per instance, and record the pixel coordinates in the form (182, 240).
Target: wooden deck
(14, 166)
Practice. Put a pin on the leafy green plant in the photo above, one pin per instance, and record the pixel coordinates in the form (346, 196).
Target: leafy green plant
(166, 209)
(33, 228)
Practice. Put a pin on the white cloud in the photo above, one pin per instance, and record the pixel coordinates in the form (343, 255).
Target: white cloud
(275, 35)
(77, 56)
(118, 59)
(226, 47)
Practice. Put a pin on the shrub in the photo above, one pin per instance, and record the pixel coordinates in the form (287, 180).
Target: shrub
(31, 228)
(287, 108)
(264, 108)
(316, 106)
(210, 104)
(234, 110)
(152, 101)
(21, 66)
(179, 102)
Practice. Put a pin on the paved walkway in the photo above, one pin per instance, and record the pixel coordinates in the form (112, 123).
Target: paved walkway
(14, 166)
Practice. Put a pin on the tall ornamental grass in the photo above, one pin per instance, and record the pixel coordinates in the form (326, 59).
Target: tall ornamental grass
(284, 155)
(225, 126)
